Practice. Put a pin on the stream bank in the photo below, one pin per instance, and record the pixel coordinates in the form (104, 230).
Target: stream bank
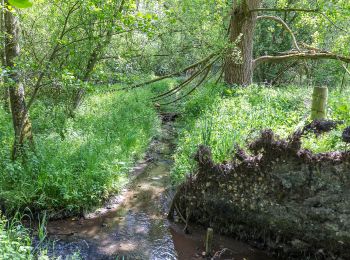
(134, 225)
(280, 197)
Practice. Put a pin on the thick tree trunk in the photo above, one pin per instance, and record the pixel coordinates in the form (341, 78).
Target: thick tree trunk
(20, 116)
(242, 25)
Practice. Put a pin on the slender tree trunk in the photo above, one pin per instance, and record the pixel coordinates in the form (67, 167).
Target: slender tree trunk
(20, 116)
(93, 59)
(78, 96)
(4, 90)
(242, 25)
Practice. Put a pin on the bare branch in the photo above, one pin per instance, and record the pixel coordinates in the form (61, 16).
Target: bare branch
(301, 56)
(285, 10)
(285, 26)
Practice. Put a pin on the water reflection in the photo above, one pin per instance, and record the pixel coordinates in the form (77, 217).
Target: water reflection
(134, 225)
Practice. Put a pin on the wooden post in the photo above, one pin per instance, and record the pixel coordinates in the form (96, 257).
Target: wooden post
(319, 103)
(209, 241)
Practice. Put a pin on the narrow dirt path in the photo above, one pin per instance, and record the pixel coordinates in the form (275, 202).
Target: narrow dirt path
(134, 225)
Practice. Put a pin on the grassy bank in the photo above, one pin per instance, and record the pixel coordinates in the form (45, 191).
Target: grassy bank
(77, 162)
(222, 118)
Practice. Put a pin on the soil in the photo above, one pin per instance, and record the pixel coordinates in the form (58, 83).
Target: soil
(277, 195)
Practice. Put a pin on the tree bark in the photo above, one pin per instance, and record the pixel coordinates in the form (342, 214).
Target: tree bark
(4, 90)
(301, 56)
(20, 116)
(242, 25)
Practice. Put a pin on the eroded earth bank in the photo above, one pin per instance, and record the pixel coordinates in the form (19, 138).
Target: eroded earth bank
(281, 198)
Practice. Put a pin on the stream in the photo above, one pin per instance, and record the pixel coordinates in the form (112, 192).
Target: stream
(133, 225)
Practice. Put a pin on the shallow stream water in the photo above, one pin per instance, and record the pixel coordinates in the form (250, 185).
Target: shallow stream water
(133, 225)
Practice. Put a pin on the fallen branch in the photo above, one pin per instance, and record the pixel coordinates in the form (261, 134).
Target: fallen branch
(191, 91)
(185, 83)
(171, 74)
(179, 87)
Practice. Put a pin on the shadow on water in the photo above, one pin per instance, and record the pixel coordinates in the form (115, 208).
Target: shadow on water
(133, 225)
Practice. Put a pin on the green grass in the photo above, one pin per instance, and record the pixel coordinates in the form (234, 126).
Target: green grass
(223, 118)
(78, 162)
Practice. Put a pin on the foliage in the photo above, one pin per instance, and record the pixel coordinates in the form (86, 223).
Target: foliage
(223, 118)
(78, 162)
(325, 29)
(14, 241)
(21, 3)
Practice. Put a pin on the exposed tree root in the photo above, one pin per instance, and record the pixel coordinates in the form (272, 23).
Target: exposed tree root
(281, 197)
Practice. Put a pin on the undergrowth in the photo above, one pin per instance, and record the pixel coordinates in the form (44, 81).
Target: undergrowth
(223, 118)
(77, 162)
(15, 242)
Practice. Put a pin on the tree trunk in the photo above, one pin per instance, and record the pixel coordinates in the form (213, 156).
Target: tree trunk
(20, 116)
(242, 25)
(79, 94)
(93, 60)
(4, 90)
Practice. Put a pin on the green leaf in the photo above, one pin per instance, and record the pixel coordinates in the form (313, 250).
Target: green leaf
(21, 3)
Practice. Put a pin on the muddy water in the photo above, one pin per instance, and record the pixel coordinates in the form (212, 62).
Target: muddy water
(133, 225)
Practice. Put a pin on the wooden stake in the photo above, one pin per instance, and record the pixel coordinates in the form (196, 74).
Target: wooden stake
(209, 241)
(319, 103)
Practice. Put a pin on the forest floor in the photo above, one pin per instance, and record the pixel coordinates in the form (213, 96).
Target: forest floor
(133, 225)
